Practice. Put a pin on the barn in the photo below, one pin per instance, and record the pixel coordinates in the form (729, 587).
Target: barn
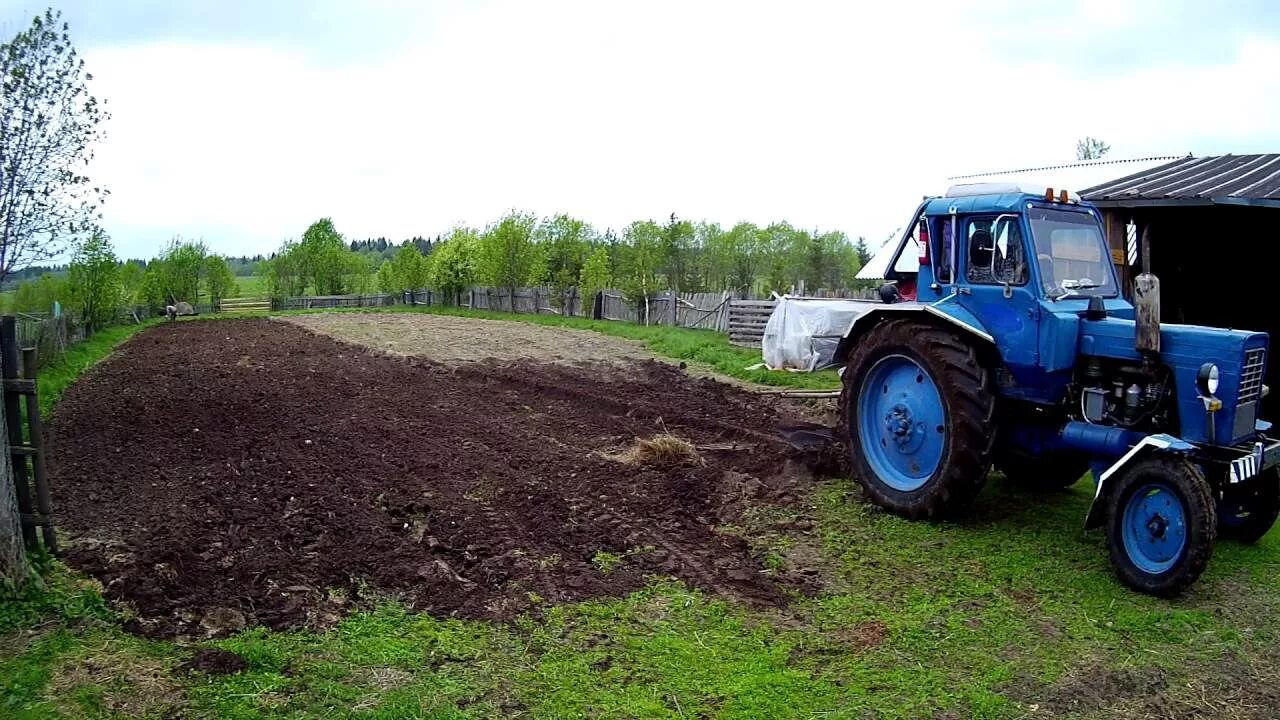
(1208, 221)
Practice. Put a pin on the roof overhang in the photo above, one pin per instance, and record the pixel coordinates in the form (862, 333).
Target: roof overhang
(1184, 202)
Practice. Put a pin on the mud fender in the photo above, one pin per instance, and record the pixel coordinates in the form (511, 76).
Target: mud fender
(1148, 445)
(946, 309)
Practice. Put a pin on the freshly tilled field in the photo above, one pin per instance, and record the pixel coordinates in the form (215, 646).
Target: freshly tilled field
(214, 475)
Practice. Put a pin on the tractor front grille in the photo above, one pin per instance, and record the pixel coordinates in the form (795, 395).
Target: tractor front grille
(1251, 374)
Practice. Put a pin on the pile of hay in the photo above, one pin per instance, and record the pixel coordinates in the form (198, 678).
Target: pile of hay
(659, 451)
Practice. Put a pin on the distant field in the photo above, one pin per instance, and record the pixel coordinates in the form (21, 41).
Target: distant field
(250, 285)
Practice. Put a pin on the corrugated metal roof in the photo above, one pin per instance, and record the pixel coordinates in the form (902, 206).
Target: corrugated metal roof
(1072, 176)
(1218, 180)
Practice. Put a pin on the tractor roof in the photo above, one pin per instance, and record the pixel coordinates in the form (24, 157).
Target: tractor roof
(992, 197)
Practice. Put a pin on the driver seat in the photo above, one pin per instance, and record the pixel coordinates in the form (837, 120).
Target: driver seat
(981, 250)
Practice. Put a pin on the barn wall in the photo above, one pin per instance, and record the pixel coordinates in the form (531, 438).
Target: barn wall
(1215, 268)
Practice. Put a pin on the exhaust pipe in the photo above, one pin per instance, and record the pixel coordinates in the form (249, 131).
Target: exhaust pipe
(1146, 301)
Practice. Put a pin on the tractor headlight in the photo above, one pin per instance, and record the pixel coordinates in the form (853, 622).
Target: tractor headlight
(1207, 379)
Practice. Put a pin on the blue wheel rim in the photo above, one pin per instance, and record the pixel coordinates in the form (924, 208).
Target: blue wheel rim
(902, 423)
(1154, 528)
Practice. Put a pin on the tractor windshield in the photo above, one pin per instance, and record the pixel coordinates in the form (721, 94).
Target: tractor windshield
(1071, 254)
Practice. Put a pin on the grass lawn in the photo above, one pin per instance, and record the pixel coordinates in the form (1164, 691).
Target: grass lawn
(1010, 613)
(251, 286)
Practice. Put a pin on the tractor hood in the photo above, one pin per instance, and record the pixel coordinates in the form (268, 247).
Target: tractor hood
(1240, 357)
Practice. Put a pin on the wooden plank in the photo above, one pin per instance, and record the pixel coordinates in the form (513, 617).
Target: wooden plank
(35, 431)
(19, 385)
(33, 520)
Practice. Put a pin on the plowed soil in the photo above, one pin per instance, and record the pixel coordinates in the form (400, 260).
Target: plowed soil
(454, 340)
(220, 474)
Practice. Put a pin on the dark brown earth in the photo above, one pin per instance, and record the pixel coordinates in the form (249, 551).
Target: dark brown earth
(215, 661)
(215, 475)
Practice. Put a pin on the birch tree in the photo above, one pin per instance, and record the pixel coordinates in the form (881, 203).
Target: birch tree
(48, 125)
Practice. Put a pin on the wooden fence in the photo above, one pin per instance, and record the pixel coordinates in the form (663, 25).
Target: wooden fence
(747, 319)
(316, 302)
(24, 437)
(709, 311)
(50, 336)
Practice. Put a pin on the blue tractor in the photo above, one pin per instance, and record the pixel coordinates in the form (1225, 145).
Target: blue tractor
(1020, 351)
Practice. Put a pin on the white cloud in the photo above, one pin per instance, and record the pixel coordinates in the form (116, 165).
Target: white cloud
(826, 115)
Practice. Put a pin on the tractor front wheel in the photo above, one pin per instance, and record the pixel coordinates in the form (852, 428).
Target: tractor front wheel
(1248, 510)
(916, 410)
(1162, 525)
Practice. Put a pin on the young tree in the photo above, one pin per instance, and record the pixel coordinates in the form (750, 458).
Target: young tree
(386, 279)
(1091, 148)
(567, 242)
(218, 277)
(595, 274)
(409, 269)
(740, 252)
(48, 123)
(94, 282)
(325, 258)
(639, 260)
(508, 256)
(132, 278)
(454, 263)
(284, 272)
(131, 274)
(677, 254)
(864, 252)
(359, 278)
(39, 295)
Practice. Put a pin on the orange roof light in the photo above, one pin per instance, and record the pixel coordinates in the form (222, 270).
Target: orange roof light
(1048, 195)
(1062, 196)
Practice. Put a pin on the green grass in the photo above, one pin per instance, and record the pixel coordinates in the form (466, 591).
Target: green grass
(1010, 609)
(251, 286)
(1012, 612)
(706, 348)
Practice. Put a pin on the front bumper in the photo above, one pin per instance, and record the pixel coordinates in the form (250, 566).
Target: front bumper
(1252, 461)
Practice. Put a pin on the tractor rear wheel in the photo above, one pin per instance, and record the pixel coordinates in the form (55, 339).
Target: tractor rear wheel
(1046, 473)
(916, 410)
(1162, 524)
(1248, 510)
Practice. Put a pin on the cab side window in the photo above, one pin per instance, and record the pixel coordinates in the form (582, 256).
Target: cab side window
(995, 253)
(945, 232)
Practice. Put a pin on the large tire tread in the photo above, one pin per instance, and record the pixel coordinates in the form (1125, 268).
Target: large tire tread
(1202, 524)
(1262, 495)
(966, 388)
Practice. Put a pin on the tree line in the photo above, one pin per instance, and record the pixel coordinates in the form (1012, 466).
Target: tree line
(521, 250)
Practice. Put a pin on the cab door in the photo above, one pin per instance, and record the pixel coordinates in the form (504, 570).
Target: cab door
(995, 285)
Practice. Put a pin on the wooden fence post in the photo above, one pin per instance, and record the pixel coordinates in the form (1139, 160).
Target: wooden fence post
(13, 423)
(15, 571)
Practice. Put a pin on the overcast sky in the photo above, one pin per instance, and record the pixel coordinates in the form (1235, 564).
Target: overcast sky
(242, 121)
